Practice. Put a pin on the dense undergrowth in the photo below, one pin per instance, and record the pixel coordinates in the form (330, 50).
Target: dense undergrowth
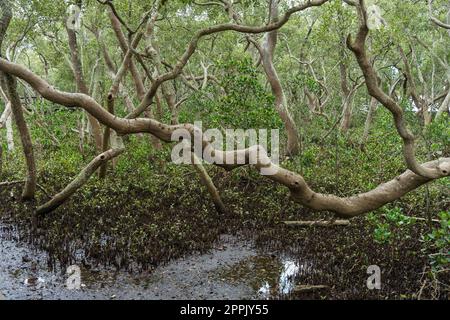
(149, 210)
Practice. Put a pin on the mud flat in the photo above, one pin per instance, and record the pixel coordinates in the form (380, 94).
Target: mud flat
(228, 271)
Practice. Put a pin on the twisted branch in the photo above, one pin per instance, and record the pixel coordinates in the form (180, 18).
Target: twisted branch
(300, 191)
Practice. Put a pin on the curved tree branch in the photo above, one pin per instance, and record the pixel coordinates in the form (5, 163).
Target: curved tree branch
(192, 46)
(436, 20)
(358, 46)
(79, 181)
(300, 191)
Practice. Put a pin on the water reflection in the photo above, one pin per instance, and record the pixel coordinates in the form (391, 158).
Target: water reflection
(290, 270)
(269, 276)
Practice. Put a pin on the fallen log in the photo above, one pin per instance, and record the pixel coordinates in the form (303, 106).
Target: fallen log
(420, 219)
(11, 183)
(319, 223)
(308, 288)
(80, 180)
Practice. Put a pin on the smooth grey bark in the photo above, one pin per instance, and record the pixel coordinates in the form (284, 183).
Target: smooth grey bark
(81, 85)
(29, 189)
(372, 108)
(80, 180)
(300, 190)
(208, 183)
(445, 107)
(267, 51)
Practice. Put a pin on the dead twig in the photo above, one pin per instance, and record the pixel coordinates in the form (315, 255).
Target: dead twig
(319, 223)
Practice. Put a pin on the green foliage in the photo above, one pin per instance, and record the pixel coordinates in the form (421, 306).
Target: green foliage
(245, 105)
(437, 135)
(150, 210)
(438, 242)
(391, 226)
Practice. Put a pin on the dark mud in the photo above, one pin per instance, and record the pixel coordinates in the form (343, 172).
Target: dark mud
(232, 270)
(171, 248)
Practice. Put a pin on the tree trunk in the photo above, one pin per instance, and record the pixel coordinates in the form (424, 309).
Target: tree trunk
(16, 107)
(281, 105)
(369, 119)
(347, 98)
(79, 181)
(6, 121)
(427, 117)
(445, 106)
(139, 85)
(9, 134)
(106, 138)
(81, 85)
(300, 190)
(208, 183)
(346, 114)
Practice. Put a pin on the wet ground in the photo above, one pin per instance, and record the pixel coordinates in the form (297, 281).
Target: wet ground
(232, 270)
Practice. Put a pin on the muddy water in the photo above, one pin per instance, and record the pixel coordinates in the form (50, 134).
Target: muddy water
(269, 276)
(232, 270)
